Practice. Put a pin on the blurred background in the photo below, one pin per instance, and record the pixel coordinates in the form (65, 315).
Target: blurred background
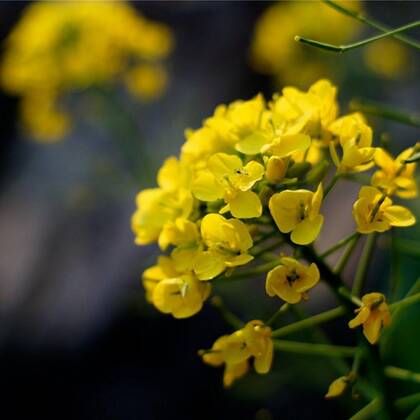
(77, 338)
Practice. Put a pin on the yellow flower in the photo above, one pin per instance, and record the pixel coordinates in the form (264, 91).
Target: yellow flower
(291, 280)
(395, 176)
(164, 269)
(378, 62)
(337, 387)
(254, 340)
(181, 296)
(275, 170)
(373, 315)
(227, 242)
(374, 212)
(297, 211)
(64, 47)
(227, 178)
(355, 138)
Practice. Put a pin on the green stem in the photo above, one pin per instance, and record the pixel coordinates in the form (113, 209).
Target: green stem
(395, 280)
(259, 269)
(403, 374)
(313, 349)
(363, 266)
(339, 244)
(330, 186)
(405, 302)
(283, 309)
(371, 22)
(415, 414)
(309, 322)
(342, 262)
(228, 316)
(407, 402)
(368, 410)
(256, 252)
(384, 111)
(348, 47)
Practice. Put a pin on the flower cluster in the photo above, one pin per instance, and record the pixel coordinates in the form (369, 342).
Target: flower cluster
(254, 172)
(62, 47)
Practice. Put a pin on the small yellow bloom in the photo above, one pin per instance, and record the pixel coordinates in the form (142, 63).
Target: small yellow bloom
(235, 350)
(373, 315)
(297, 211)
(164, 269)
(181, 296)
(355, 139)
(395, 176)
(146, 81)
(227, 242)
(373, 212)
(291, 280)
(337, 387)
(276, 169)
(227, 178)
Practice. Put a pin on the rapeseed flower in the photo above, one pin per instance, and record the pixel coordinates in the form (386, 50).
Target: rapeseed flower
(374, 314)
(375, 212)
(291, 280)
(297, 211)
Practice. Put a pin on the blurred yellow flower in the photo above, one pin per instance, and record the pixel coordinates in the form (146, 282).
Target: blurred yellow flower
(395, 176)
(62, 47)
(337, 387)
(274, 51)
(291, 280)
(373, 315)
(297, 211)
(235, 350)
(393, 64)
(375, 212)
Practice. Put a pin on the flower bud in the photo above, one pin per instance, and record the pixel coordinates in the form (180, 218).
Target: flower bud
(337, 387)
(275, 170)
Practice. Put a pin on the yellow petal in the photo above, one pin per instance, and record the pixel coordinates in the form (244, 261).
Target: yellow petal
(252, 144)
(372, 327)
(290, 143)
(399, 216)
(221, 164)
(360, 318)
(246, 205)
(263, 362)
(206, 188)
(383, 159)
(307, 230)
(207, 265)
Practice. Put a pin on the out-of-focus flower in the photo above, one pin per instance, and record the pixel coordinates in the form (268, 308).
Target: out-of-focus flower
(274, 51)
(62, 47)
(373, 315)
(375, 212)
(291, 280)
(235, 350)
(337, 387)
(395, 176)
(297, 211)
(393, 64)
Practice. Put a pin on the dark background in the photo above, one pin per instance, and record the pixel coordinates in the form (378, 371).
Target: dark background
(77, 339)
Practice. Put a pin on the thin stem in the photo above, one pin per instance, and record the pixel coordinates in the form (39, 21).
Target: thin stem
(259, 269)
(339, 244)
(385, 111)
(368, 410)
(342, 262)
(310, 322)
(283, 309)
(363, 265)
(405, 302)
(348, 47)
(313, 349)
(264, 237)
(270, 247)
(408, 401)
(330, 186)
(228, 316)
(395, 279)
(371, 22)
(403, 374)
(415, 414)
